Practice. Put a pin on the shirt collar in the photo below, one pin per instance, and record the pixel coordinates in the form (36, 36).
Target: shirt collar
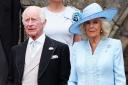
(41, 39)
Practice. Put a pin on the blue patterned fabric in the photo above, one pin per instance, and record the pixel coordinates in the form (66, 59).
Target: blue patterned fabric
(104, 67)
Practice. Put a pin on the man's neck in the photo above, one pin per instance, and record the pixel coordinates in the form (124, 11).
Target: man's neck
(36, 37)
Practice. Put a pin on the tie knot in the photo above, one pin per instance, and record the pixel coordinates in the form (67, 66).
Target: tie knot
(33, 44)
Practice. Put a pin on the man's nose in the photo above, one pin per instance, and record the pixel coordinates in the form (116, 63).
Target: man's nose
(30, 22)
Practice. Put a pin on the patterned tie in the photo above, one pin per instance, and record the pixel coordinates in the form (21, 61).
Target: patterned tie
(33, 45)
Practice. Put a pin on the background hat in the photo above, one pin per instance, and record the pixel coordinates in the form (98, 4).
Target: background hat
(90, 12)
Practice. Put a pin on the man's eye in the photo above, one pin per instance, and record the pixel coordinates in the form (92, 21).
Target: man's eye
(26, 20)
(33, 19)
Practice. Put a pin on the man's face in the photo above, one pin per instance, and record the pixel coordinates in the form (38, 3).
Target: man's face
(33, 24)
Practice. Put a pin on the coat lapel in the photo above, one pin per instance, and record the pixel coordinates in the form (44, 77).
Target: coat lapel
(47, 52)
(20, 58)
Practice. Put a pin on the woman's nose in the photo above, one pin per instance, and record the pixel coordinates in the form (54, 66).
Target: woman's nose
(91, 25)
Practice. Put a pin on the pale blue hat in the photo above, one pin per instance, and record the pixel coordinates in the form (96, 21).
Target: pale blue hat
(90, 12)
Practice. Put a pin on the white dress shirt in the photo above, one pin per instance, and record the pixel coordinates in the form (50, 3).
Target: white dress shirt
(32, 59)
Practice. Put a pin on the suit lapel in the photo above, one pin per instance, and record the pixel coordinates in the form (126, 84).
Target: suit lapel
(20, 58)
(47, 52)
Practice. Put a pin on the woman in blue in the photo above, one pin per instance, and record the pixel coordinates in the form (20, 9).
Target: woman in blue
(97, 59)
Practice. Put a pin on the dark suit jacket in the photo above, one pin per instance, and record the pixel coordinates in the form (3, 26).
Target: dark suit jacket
(3, 66)
(9, 23)
(51, 71)
(9, 32)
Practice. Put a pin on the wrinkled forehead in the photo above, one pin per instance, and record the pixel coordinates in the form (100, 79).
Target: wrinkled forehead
(31, 15)
(33, 12)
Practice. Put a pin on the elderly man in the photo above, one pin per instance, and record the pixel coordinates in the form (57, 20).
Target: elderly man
(39, 60)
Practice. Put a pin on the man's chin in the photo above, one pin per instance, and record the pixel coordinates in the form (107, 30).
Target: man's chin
(32, 34)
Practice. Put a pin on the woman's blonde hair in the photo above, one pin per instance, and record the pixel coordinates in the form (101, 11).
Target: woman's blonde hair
(106, 27)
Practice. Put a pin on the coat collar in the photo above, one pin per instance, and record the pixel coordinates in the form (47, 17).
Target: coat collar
(47, 52)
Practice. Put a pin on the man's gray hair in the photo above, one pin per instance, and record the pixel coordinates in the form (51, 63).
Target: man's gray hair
(38, 9)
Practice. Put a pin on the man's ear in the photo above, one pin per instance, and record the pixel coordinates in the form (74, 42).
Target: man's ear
(44, 22)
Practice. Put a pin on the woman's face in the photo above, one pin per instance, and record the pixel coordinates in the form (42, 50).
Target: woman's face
(92, 28)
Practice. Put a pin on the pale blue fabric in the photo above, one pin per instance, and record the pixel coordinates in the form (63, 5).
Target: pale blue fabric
(90, 12)
(104, 67)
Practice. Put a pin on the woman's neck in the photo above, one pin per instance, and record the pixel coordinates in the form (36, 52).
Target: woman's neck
(56, 7)
(94, 42)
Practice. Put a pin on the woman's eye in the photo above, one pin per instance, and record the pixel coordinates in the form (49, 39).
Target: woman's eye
(88, 22)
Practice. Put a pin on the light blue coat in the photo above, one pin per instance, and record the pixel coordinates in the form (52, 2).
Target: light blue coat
(104, 67)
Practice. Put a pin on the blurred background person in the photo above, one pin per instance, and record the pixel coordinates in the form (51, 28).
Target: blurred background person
(9, 32)
(97, 59)
(59, 19)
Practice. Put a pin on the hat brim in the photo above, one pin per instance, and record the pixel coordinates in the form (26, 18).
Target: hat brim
(107, 14)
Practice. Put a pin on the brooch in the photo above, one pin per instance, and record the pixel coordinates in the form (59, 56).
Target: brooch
(76, 16)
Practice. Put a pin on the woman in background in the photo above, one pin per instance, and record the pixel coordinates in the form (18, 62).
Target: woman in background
(59, 19)
(97, 59)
